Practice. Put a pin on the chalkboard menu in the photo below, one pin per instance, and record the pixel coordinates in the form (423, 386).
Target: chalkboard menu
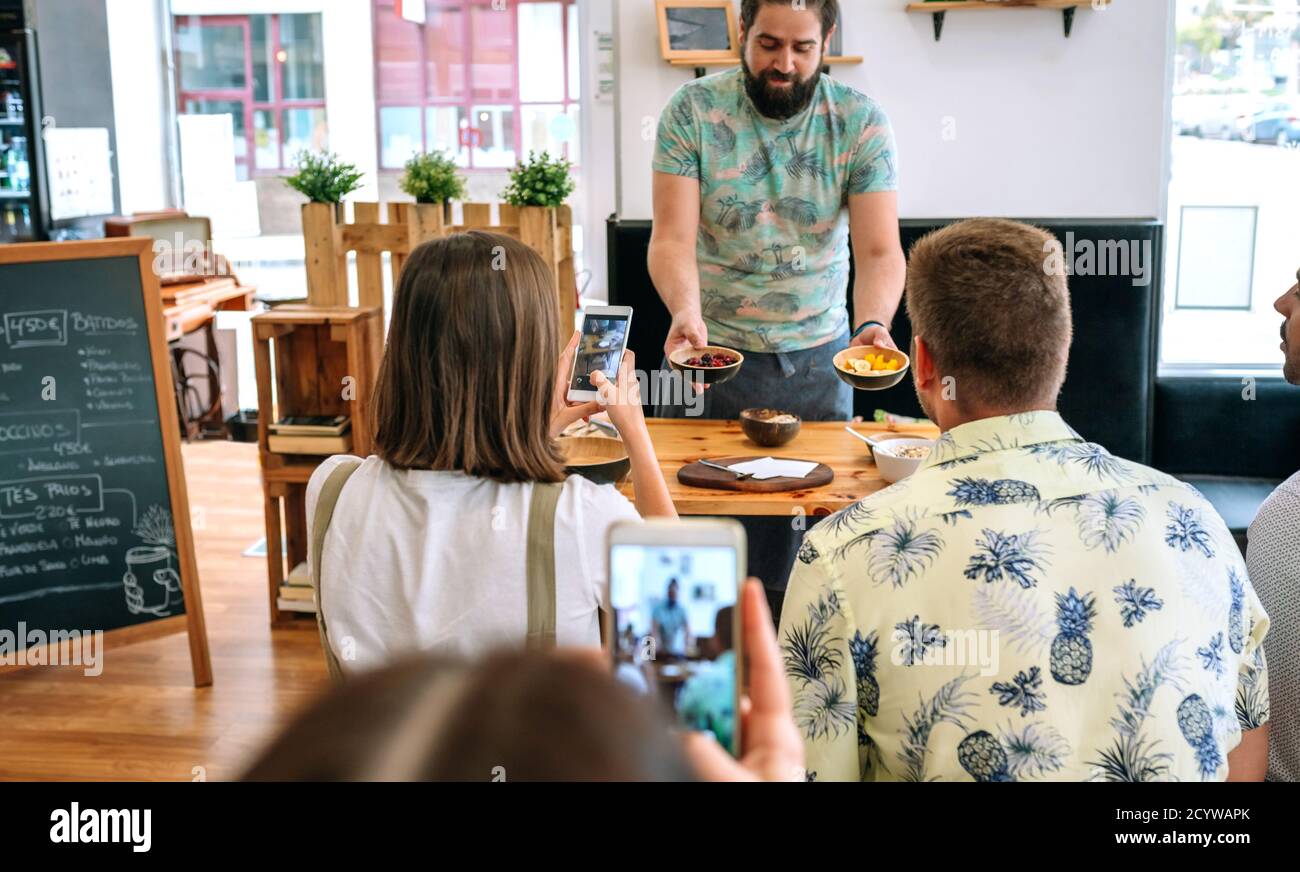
(94, 527)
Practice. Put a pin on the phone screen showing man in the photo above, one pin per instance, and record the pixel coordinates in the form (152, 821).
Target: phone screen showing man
(601, 348)
(674, 612)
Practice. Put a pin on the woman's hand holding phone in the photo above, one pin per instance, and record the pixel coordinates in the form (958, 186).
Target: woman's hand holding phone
(622, 399)
(772, 748)
(565, 413)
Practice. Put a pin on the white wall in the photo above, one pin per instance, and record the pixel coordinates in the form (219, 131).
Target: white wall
(599, 166)
(1043, 126)
(140, 103)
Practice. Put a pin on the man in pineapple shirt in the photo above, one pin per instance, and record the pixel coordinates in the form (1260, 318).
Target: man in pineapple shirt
(1025, 606)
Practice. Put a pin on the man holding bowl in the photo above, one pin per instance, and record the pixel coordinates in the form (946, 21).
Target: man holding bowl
(763, 175)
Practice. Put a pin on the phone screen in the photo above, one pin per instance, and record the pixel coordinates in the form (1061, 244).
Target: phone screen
(601, 348)
(674, 617)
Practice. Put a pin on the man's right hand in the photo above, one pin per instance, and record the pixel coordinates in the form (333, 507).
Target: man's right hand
(687, 331)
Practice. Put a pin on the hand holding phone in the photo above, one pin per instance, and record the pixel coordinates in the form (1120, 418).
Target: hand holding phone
(621, 397)
(563, 412)
(604, 338)
(672, 618)
(772, 749)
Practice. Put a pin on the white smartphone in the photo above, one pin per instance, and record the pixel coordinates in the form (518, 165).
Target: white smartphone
(672, 618)
(604, 337)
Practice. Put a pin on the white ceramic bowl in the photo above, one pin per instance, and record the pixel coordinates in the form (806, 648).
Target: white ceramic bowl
(892, 467)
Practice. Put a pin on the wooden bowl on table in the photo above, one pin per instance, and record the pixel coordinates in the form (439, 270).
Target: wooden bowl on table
(877, 380)
(596, 458)
(709, 375)
(763, 428)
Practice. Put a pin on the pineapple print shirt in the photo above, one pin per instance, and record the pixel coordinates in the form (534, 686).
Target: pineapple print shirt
(1025, 606)
(773, 247)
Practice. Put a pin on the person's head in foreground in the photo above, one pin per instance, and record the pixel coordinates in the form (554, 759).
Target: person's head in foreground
(558, 716)
(783, 43)
(1274, 542)
(1025, 605)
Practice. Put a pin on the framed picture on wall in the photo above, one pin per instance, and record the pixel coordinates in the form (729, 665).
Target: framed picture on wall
(697, 29)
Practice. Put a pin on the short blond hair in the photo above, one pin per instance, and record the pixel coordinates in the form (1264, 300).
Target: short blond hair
(991, 313)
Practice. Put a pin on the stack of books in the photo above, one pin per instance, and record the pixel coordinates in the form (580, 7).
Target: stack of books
(296, 594)
(316, 434)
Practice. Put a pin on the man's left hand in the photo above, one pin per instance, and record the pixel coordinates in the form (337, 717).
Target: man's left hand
(874, 335)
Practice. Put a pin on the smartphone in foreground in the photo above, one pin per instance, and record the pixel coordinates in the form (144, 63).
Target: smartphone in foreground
(673, 618)
(604, 337)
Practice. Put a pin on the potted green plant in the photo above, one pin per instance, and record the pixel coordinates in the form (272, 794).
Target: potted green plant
(541, 180)
(432, 178)
(324, 178)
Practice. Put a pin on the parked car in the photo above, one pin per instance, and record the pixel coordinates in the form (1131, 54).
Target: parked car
(1210, 116)
(1277, 122)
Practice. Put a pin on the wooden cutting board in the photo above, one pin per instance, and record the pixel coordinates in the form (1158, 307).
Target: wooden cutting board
(699, 475)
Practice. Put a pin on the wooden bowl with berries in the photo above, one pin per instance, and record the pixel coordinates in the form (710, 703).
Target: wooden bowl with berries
(709, 364)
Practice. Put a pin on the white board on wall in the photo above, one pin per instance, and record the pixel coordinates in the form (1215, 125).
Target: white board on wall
(80, 171)
(208, 180)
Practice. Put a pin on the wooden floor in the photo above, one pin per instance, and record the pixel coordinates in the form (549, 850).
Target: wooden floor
(143, 718)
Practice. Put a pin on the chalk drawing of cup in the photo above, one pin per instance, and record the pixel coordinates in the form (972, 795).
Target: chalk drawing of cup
(153, 563)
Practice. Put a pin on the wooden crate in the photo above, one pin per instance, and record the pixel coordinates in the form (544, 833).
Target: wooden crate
(321, 360)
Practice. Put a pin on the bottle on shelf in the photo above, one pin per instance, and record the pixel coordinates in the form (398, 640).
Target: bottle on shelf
(16, 159)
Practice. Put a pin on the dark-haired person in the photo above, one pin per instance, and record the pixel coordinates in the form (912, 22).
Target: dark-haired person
(669, 625)
(1273, 557)
(1025, 606)
(432, 540)
(762, 175)
(532, 717)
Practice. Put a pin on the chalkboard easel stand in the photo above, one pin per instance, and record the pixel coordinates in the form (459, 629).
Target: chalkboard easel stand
(55, 299)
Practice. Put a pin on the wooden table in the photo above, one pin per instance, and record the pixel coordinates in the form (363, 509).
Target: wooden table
(678, 442)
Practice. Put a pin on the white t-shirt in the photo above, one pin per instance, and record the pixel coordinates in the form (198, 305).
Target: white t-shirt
(417, 560)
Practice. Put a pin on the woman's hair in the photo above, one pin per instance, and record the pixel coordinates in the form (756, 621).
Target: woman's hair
(467, 378)
(513, 717)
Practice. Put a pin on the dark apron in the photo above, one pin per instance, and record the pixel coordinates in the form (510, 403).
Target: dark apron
(801, 382)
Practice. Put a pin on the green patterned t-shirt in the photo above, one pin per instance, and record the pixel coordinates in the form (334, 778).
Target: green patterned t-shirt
(773, 246)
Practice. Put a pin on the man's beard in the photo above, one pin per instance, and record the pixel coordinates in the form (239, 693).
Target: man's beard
(1291, 361)
(779, 103)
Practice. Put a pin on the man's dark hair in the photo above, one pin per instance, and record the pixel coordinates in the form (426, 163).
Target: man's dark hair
(829, 9)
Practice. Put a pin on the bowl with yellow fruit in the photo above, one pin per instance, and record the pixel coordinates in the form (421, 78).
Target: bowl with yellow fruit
(871, 367)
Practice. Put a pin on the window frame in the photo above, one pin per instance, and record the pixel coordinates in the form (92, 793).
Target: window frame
(467, 102)
(277, 105)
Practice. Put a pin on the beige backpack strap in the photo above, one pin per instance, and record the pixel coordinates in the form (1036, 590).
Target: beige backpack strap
(540, 564)
(325, 503)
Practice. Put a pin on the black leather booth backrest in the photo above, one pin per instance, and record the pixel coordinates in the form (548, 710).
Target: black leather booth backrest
(1208, 426)
(1108, 394)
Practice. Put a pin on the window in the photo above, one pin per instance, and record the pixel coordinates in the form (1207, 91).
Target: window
(1234, 193)
(265, 71)
(486, 82)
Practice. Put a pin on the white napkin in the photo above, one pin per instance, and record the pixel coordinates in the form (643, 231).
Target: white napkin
(768, 467)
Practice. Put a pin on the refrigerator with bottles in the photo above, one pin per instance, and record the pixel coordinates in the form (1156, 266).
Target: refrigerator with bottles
(23, 200)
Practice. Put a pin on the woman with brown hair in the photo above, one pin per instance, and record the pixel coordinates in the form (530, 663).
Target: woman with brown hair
(462, 533)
